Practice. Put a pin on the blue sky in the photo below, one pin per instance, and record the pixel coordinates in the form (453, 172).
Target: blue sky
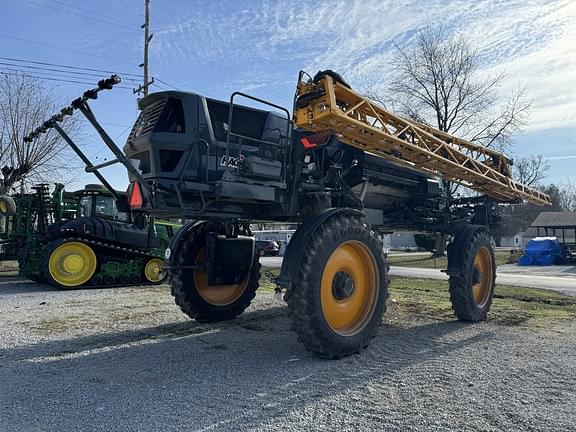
(258, 46)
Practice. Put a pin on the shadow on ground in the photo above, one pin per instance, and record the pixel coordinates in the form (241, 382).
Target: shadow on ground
(227, 376)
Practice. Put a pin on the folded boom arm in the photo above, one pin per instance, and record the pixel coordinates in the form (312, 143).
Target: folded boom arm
(327, 104)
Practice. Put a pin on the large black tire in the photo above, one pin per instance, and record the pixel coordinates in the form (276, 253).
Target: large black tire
(340, 294)
(7, 206)
(208, 304)
(472, 291)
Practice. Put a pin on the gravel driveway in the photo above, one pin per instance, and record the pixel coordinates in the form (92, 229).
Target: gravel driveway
(127, 360)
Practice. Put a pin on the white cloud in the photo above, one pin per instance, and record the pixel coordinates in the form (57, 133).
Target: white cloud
(554, 158)
(267, 42)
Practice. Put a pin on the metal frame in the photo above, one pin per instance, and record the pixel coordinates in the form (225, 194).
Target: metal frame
(331, 105)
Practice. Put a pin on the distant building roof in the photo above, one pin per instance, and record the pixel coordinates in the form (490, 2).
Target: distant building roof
(555, 220)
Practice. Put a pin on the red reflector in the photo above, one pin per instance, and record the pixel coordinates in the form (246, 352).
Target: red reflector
(135, 196)
(315, 140)
(307, 143)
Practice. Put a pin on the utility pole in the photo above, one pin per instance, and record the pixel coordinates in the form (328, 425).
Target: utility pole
(147, 38)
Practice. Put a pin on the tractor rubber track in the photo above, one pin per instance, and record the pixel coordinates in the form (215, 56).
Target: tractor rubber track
(105, 255)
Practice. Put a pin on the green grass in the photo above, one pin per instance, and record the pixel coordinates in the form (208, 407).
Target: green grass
(511, 306)
(429, 299)
(265, 283)
(410, 298)
(427, 261)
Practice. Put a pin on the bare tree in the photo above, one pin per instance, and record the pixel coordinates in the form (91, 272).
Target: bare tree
(25, 105)
(437, 82)
(568, 196)
(530, 170)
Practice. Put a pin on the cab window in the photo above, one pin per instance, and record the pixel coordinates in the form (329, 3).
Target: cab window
(106, 208)
(85, 206)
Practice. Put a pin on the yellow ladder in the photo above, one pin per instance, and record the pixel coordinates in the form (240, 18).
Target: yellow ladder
(330, 105)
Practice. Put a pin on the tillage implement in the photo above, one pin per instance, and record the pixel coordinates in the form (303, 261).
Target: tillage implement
(342, 167)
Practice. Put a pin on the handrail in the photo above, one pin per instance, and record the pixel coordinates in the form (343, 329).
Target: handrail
(229, 132)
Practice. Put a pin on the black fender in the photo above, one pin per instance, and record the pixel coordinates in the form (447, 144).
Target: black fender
(461, 239)
(176, 241)
(293, 256)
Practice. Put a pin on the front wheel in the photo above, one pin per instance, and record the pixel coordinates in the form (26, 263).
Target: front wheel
(340, 294)
(154, 271)
(190, 288)
(471, 291)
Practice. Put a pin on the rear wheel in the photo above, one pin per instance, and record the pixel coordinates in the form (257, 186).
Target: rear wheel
(472, 291)
(340, 295)
(70, 263)
(190, 288)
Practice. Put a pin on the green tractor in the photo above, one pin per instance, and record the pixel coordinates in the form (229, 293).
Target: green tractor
(83, 238)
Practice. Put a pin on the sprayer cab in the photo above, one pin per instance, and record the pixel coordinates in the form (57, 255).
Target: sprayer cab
(183, 144)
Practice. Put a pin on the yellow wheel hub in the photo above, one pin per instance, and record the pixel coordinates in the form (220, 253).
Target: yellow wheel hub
(483, 273)
(153, 270)
(349, 288)
(217, 295)
(72, 264)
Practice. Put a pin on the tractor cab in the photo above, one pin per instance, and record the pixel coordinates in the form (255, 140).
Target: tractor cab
(95, 201)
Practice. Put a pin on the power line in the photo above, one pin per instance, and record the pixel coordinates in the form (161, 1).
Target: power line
(64, 49)
(165, 83)
(69, 66)
(126, 76)
(48, 71)
(78, 14)
(159, 86)
(113, 139)
(44, 78)
(94, 13)
(116, 125)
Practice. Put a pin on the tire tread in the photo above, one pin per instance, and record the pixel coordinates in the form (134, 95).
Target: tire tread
(308, 320)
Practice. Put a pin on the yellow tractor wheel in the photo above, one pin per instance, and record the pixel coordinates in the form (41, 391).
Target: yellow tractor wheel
(348, 288)
(340, 294)
(72, 264)
(154, 271)
(472, 288)
(191, 290)
(216, 295)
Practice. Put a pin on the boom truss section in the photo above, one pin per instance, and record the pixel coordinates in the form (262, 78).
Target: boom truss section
(330, 105)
